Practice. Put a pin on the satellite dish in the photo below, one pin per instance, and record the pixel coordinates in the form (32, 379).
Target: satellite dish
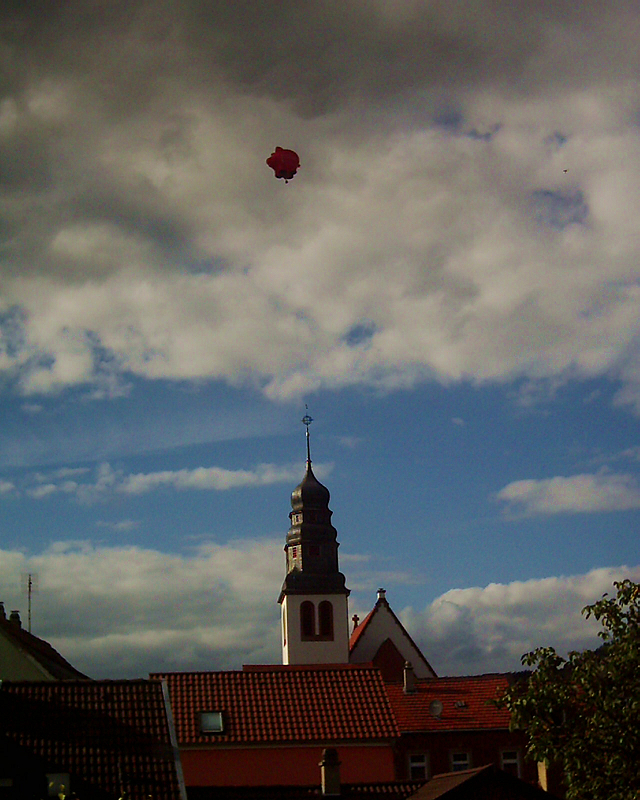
(435, 708)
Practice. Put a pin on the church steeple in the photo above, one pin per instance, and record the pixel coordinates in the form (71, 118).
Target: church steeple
(313, 595)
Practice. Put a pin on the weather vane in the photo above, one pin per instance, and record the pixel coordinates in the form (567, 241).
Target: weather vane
(307, 420)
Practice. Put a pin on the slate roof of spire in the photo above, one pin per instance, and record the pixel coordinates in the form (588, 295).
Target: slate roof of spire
(269, 704)
(109, 736)
(49, 660)
(466, 704)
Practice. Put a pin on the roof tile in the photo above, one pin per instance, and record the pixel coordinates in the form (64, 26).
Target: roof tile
(96, 731)
(466, 703)
(282, 704)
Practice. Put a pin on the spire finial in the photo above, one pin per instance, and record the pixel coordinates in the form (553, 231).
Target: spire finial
(307, 420)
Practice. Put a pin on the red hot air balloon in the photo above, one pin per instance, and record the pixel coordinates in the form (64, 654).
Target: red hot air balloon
(284, 163)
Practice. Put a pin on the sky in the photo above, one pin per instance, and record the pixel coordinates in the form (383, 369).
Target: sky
(450, 283)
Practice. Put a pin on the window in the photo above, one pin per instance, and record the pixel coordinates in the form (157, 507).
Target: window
(417, 767)
(211, 722)
(307, 620)
(460, 761)
(284, 624)
(58, 783)
(325, 619)
(510, 762)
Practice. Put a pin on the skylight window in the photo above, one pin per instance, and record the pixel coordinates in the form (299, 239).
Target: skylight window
(211, 722)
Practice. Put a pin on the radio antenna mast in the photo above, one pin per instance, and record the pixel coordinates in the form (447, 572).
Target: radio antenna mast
(30, 582)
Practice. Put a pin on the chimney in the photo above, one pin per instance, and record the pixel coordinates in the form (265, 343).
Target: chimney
(15, 618)
(382, 595)
(330, 772)
(3, 613)
(409, 677)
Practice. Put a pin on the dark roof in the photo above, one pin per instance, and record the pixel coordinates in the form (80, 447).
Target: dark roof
(268, 704)
(109, 736)
(49, 659)
(466, 704)
(310, 493)
(440, 785)
(481, 782)
(393, 789)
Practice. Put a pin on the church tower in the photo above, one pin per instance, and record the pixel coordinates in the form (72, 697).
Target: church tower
(313, 600)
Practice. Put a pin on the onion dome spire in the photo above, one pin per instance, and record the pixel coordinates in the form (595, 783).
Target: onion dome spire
(312, 547)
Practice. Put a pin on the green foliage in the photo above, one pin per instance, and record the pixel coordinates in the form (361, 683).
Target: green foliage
(583, 712)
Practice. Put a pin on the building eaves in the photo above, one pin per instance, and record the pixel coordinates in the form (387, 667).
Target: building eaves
(392, 789)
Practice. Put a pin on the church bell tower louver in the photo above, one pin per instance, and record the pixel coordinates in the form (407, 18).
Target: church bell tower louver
(313, 599)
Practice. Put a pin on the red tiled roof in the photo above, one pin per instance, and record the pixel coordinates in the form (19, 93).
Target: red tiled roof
(318, 703)
(41, 651)
(359, 630)
(109, 736)
(465, 704)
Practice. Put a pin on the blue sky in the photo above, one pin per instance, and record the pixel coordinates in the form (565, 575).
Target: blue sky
(450, 283)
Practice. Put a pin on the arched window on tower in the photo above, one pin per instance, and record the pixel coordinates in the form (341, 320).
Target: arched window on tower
(325, 619)
(307, 620)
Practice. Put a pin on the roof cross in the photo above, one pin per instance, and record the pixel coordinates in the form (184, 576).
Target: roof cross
(307, 420)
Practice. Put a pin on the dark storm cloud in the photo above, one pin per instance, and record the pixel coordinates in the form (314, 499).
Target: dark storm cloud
(316, 55)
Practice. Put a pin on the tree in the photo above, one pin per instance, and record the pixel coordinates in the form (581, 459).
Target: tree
(583, 712)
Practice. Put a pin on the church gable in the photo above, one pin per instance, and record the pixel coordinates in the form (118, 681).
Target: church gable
(382, 639)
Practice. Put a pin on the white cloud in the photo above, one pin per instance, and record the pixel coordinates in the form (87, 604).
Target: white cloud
(45, 490)
(586, 493)
(126, 611)
(210, 478)
(6, 487)
(487, 629)
(119, 526)
(107, 480)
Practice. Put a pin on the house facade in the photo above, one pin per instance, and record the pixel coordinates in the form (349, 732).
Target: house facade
(268, 725)
(452, 724)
